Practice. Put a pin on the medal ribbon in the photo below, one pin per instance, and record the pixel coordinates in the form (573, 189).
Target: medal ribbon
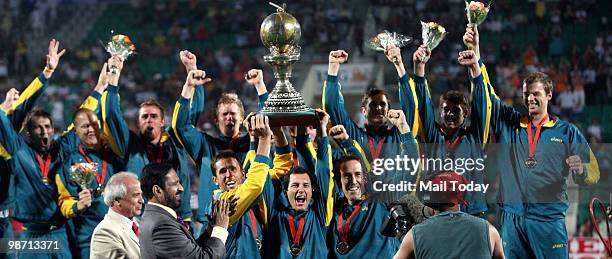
(456, 137)
(375, 151)
(534, 142)
(343, 228)
(44, 166)
(253, 222)
(230, 146)
(156, 157)
(99, 179)
(296, 235)
(296, 161)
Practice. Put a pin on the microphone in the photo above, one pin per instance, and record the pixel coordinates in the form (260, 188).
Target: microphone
(405, 213)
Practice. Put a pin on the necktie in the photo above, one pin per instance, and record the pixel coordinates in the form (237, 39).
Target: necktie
(183, 223)
(135, 228)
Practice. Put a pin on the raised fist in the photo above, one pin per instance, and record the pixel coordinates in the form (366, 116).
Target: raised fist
(467, 58)
(254, 77)
(189, 60)
(396, 117)
(196, 77)
(338, 133)
(338, 57)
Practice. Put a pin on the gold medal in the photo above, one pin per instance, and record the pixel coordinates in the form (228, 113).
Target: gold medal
(99, 190)
(531, 162)
(295, 249)
(342, 247)
(45, 180)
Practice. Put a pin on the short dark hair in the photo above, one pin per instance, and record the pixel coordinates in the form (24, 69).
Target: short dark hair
(154, 174)
(151, 102)
(539, 77)
(455, 97)
(343, 159)
(38, 112)
(225, 154)
(371, 93)
(298, 170)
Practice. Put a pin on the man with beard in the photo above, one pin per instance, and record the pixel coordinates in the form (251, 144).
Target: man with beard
(299, 212)
(86, 144)
(163, 234)
(540, 151)
(151, 144)
(383, 140)
(117, 235)
(34, 182)
(451, 139)
(201, 146)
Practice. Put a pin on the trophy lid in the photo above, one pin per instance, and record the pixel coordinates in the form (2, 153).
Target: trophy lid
(280, 30)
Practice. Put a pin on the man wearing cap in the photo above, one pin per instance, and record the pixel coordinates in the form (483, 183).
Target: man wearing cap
(450, 233)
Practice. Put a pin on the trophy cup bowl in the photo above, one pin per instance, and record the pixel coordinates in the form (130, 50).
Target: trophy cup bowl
(280, 32)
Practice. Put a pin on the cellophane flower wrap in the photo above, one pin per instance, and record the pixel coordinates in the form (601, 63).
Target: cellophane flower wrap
(385, 39)
(432, 34)
(476, 11)
(83, 174)
(121, 45)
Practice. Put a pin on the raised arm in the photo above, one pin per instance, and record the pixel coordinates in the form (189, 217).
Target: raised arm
(197, 102)
(10, 141)
(481, 106)
(407, 97)
(333, 102)
(501, 114)
(256, 177)
(194, 141)
(283, 158)
(324, 198)
(255, 78)
(115, 126)
(22, 103)
(431, 132)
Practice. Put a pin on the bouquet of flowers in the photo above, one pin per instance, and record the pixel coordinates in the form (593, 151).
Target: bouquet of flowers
(385, 39)
(120, 45)
(83, 174)
(432, 34)
(476, 11)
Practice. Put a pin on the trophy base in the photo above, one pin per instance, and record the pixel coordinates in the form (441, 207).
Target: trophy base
(277, 119)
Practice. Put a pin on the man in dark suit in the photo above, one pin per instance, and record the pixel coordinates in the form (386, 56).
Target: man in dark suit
(164, 235)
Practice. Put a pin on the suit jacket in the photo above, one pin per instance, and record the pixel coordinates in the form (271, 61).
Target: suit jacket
(114, 238)
(162, 236)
